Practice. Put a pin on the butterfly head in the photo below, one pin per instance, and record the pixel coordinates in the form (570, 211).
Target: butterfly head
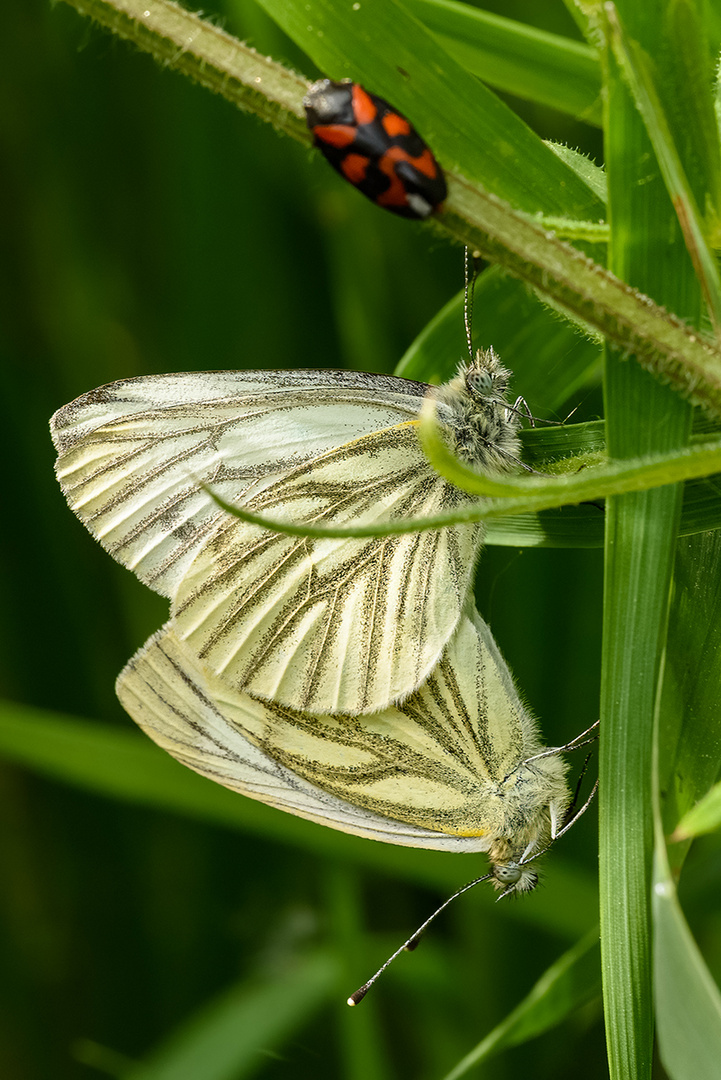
(485, 377)
(482, 428)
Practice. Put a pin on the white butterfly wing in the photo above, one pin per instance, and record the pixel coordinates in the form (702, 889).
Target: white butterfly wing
(328, 625)
(131, 454)
(333, 625)
(170, 697)
(449, 759)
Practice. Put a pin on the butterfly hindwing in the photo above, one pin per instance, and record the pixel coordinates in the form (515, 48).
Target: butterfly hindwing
(167, 693)
(445, 770)
(334, 625)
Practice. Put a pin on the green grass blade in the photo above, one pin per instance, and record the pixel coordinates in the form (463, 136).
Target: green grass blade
(571, 982)
(640, 536)
(688, 1002)
(230, 1038)
(704, 817)
(583, 526)
(642, 78)
(690, 721)
(595, 177)
(522, 60)
(634, 614)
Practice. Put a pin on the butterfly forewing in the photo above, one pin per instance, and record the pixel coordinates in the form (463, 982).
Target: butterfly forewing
(333, 625)
(327, 625)
(169, 696)
(132, 455)
(445, 770)
(435, 761)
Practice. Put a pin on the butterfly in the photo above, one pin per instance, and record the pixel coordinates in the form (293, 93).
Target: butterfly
(448, 769)
(319, 625)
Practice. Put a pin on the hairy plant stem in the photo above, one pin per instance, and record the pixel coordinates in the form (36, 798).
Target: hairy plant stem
(672, 351)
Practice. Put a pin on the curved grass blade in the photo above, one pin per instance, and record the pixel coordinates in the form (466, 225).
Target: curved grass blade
(571, 982)
(617, 477)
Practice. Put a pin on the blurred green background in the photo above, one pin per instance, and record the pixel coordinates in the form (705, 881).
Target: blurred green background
(149, 227)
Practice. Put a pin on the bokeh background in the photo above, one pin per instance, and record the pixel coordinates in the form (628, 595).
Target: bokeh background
(147, 227)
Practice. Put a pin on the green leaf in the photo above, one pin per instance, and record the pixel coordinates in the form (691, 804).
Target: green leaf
(590, 173)
(688, 1002)
(690, 720)
(380, 43)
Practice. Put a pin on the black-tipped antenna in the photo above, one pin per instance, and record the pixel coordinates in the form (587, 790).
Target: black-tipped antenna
(413, 940)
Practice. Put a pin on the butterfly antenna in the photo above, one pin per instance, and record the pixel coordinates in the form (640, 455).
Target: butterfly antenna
(583, 739)
(571, 814)
(470, 273)
(412, 942)
(572, 808)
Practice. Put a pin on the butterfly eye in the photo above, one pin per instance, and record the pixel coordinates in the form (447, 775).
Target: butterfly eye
(508, 874)
(479, 382)
(514, 878)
